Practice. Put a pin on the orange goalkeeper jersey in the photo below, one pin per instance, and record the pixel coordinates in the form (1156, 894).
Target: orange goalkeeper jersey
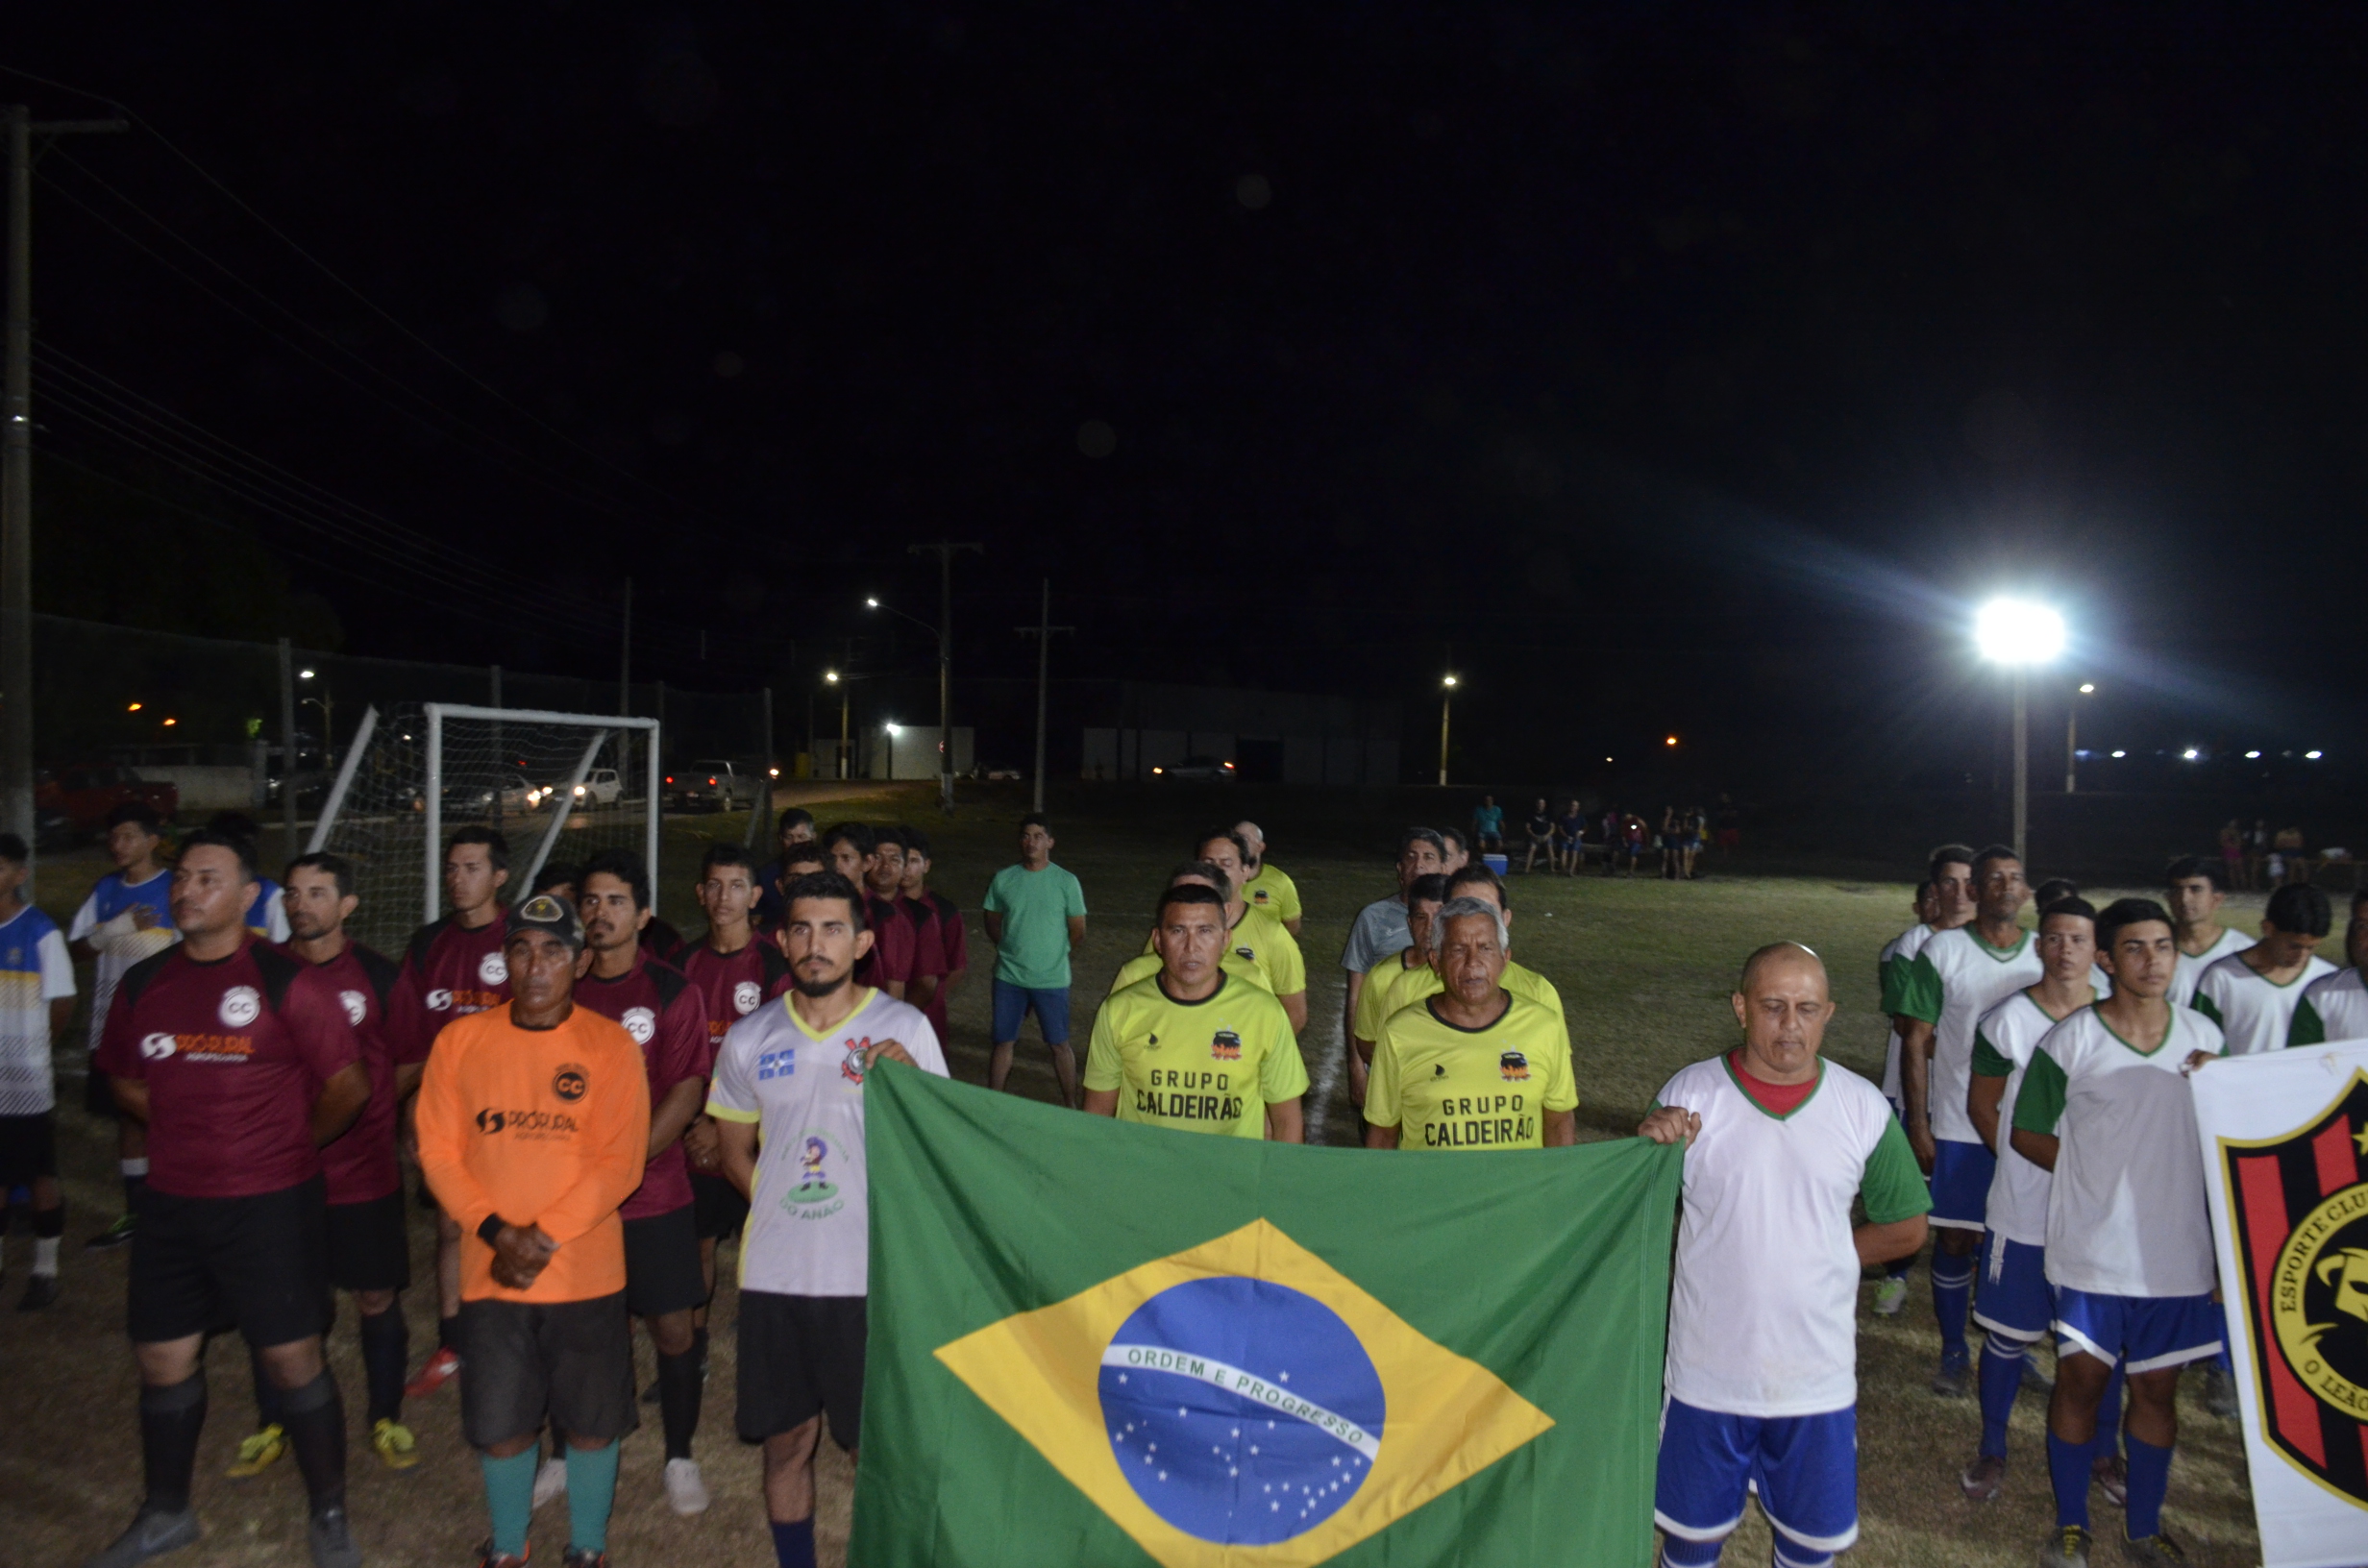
(543, 1127)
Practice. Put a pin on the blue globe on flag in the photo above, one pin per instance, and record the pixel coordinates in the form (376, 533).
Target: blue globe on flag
(1241, 1410)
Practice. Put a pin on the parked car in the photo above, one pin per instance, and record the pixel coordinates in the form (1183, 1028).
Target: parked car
(600, 787)
(85, 793)
(713, 784)
(475, 799)
(1195, 768)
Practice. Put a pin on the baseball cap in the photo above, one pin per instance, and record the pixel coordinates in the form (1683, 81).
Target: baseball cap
(544, 912)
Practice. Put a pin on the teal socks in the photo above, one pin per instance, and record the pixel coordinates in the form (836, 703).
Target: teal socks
(509, 1496)
(591, 1489)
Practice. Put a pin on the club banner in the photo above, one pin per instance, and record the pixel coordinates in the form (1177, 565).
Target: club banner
(1096, 1342)
(2286, 1152)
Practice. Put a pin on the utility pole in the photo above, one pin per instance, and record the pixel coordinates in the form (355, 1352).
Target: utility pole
(944, 551)
(17, 477)
(1042, 631)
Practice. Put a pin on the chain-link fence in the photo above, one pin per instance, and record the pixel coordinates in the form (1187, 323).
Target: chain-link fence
(114, 704)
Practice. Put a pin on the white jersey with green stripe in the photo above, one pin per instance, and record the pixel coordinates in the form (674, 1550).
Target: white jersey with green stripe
(1891, 969)
(2125, 1212)
(1764, 1305)
(1956, 979)
(2252, 1010)
(2001, 1046)
(2191, 965)
(2333, 1007)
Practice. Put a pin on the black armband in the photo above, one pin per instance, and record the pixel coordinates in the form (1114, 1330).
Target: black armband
(490, 1232)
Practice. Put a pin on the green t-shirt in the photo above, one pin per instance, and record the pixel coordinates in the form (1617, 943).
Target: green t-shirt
(1037, 907)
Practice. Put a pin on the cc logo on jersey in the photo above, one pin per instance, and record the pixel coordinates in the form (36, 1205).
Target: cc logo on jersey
(441, 1001)
(157, 1047)
(641, 1023)
(493, 969)
(241, 1006)
(746, 995)
(356, 1007)
(570, 1082)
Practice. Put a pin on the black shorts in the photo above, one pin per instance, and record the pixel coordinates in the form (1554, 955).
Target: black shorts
(257, 1264)
(368, 1249)
(799, 1354)
(719, 1208)
(99, 1091)
(661, 1265)
(28, 1149)
(524, 1362)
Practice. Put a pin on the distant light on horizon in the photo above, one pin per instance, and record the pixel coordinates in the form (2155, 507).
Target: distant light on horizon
(2191, 753)
(2251, 754)
(2121, 753)
(2018, 632)
(2312, 755)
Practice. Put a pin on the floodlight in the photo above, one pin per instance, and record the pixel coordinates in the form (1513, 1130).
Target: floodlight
(831, 676)
(1672, 740)
(2121, 753)
(303, 674)
(2088, 688)
(870, 604)
(2018, 631)
(2252, 754)
(136, 708)
(2312, 755)
(2191, 753)
(890, 728)
(1450, 681)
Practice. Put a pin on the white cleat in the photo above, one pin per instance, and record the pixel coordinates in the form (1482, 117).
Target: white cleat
(686, 1490)
(550, 1481)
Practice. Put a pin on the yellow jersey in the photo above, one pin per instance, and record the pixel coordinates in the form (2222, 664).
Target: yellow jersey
(1411, 986)
(1374, 1007)
(1448, 1088)
(1258, 938)
(1207, 1066)
(1272, 890)
(1144, 966)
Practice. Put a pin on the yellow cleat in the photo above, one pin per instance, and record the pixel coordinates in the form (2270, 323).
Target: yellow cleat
(395, 1445)
(259, 1452)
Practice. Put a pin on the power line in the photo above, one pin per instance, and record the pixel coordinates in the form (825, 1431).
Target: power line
(368, 304)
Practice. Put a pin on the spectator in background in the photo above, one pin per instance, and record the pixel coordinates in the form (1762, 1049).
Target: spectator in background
(2289, 847)
(1540, 828)
(1487, 826)
(1672, 841)
(2257, 850)
(1614, 829)
(2234, 871)
(1633, 837)
(127, 917)
(1035, 917)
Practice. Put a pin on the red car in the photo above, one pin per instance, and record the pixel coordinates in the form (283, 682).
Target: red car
(85, 794)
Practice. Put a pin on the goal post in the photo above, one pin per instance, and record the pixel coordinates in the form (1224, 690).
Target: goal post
(559, 786)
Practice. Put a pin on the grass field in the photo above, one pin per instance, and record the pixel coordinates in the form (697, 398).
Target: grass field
(1644, 968)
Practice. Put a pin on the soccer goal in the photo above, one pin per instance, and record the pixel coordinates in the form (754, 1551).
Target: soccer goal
(560, 787)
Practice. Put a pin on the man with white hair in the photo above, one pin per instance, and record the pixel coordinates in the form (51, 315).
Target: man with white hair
(1762, 1372)
(1475, 1066)
(1270, 887)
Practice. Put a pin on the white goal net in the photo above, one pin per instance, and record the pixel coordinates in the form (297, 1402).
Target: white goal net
(559, 787)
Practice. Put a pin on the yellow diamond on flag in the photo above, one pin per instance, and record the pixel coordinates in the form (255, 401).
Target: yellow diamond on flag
(1242, 1403)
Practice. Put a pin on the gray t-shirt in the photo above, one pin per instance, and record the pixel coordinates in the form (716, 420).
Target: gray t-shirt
(1380, 931)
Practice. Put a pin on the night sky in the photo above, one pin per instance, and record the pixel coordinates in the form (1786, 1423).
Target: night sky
(1654, 367)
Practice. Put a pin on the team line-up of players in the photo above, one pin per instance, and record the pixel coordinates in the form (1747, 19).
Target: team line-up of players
(619, 1096)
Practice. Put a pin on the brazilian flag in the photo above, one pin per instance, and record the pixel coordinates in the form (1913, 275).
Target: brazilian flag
(1100, 1343)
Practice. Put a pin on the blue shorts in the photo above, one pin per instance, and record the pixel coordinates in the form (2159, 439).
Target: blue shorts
(1013, 1003)
(1804, 1467)
(2147, 1332)
(2013, 1297)
(1962, 1174)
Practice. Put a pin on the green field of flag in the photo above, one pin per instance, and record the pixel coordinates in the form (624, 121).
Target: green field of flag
(1100, 1343)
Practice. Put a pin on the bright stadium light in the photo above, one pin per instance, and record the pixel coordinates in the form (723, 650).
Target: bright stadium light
(2017, 634)
(2088, 688)
(2251, 756)
(2191, 753)
(2121, 753)
(303, 674)
(2312, 755)
(2018, 631)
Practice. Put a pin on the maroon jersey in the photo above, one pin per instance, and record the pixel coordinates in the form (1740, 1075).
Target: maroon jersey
(449, 971)
(233, 1053)
(929, 947)
(893, 947)
(953, 942)
(662, 942)
(668, 1019)
(359, 1163)
(736, 984)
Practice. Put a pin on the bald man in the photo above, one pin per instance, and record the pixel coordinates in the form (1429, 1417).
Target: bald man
(1270, 887)
(1761, 1375)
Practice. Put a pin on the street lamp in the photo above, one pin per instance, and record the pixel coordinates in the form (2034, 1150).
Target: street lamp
(832, 676)
(2018, 635)
(328, 732)
(945, 700)
(1446, 698)
(2071, 738)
